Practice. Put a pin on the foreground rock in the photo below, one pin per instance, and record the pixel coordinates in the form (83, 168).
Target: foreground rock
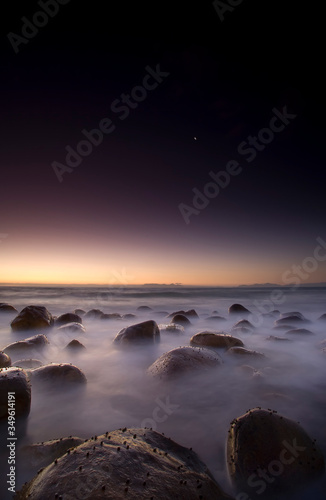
(211, 339)
(5, 360)
(26, 346)
(238, 309)
(14, 380)
(128, 463)
(58, 375)
(269, 454)
(182, 360)
(68, 318)
(147, 331)
(42, 454)
(32, 318)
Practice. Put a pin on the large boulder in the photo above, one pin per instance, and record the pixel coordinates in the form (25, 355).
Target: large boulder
(126, 463)
(147, 331)
(14, 380)
(26, 346)
(268, 454)
(68, 318)
(183, 360)
(212, 339)
(238, 309)
(32, 318)
(57, 375)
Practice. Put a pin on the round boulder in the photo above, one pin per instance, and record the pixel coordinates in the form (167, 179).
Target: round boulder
(238, 309)
(14, 380)
(68, 318)
(127, 463)
(94, 314)
(56, 374)
(211, 339)
(35, 343)
(269, 454)
(7, 308)
(181, 319)
(5, 360)
(75, 345)
(147, 331)
(72, 327)
(182, 360)
(32, 318)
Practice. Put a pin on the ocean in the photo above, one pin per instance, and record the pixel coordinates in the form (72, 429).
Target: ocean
(195, 411)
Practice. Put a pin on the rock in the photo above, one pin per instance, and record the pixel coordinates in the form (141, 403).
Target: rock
(283, 327)
(215, 318)
(299, 331)
(147, 331)
(5, 360)
(14, 380)
(238, 309)
(144, 308)
(128, 463)
(34, 343)
(278, 339)
(191, 313)
(182, 360)
(243, 323)
(111, 316)
(129, 316)
(28, 363)
(322, 317)
(181, 319)
(55, 374)
(80, 312)
(218, 339)
(171, 328)
(94, 314)
(241, 351)
(75, 345)
(32, 318)
(289, 320)
(68, 318)
(42, 454)
(72, 327)
(261, 441)
(7, 308)
(293, 313)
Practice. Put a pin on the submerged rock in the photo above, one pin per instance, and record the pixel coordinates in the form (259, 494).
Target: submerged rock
(181, 319)
(28, 363)
(34, 343)
(80, 312)
(269, 454)
(72, 327)
(144, 308)
(111, 316)
(94, 314)
(299, 332)
(215, 339)
(75, 345)
(289, 320)
(55, 374)
(182, 360)
(241, 351)
(215, 318)
(129, 316)
(7, 308)
(238, 309)
(14, 380)
(243, 323)
(5, 360)
(191, 313)
(127, 463)
(32, 318)
(68, 318)
(147, 331)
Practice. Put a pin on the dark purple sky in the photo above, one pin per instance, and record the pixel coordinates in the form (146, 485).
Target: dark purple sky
(121, 207)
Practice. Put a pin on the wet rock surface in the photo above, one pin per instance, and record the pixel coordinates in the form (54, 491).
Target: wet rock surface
(215, 339)
(15, 380)
(59, 375)
(147, 331)
(32, 318)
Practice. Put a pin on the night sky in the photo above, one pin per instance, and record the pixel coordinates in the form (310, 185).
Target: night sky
(211, 83)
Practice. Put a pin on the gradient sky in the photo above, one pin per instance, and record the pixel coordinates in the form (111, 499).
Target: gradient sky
(117, 213)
